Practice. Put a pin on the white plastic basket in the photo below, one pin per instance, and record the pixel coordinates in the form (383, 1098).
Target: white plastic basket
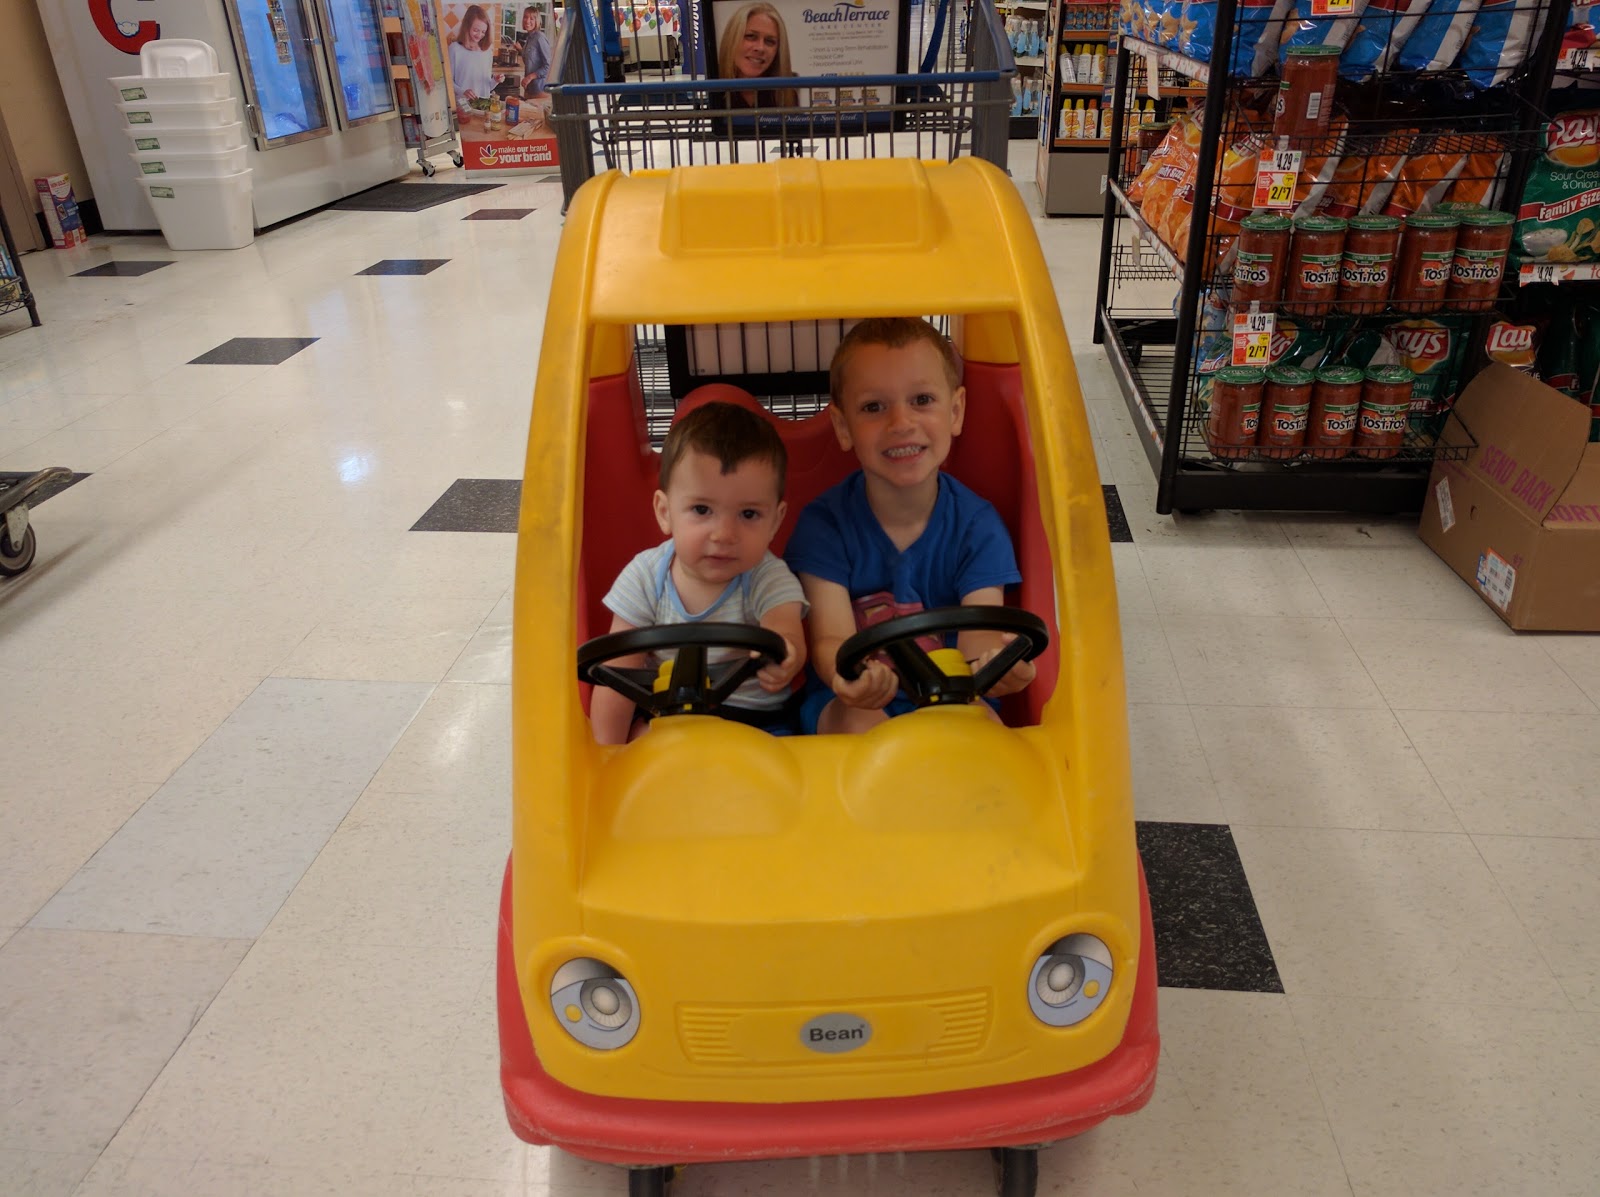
(186, 141)
(176, 57)
(189, 166)
(180, 90)
(207, 114)
(211, 213)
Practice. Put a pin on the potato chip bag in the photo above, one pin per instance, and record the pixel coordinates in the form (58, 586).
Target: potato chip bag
(1177, 166)
(1382, 31)
(1424, 181)
(1307, 26)
(1479, 181)
(1136, 189)
(1258, 27)
(1502, 33)
(1365, 177)
(1438, 37)
(1559, 219)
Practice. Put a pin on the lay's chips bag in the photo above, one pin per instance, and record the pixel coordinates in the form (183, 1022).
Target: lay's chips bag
(1379, 35)
(1559, 219)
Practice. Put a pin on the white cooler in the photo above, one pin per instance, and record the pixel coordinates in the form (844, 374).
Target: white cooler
(203, 213)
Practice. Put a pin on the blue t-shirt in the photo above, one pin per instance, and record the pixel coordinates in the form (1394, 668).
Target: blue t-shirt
(965, 547)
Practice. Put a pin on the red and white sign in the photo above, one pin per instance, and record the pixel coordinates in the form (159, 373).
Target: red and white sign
(1276, 178)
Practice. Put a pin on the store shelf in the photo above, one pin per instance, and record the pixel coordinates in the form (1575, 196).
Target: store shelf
(1557, 272)
(1191, 68)
(1131, 211)
(1083, 89)
(1173, 93)
(1081, 143)
(1028, 60)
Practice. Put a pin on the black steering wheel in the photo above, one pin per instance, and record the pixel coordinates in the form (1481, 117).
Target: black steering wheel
(693, 687)
(923, 680)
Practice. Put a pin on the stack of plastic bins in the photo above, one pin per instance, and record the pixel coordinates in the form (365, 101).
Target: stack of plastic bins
(188, 145)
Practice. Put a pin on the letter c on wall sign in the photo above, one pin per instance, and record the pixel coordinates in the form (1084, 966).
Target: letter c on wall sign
(106, 24)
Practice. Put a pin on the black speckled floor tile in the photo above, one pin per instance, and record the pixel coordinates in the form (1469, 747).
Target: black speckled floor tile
(54, 487)
(254, 351)
(120, 269)
(499, 214)
(1208, 934)
(404, 266)
(1116, 517)
(474, 505)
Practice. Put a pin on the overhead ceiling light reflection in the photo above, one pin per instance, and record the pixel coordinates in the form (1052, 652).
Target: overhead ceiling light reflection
(355, 468)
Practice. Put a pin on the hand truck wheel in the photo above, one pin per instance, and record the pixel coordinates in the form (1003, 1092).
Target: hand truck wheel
(16, 558)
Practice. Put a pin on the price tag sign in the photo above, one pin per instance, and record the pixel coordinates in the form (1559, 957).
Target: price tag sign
(1546, 272)
(1332, 8)
(1252, 338)
(1276, 177)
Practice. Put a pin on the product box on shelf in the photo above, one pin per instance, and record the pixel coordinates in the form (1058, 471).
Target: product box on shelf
(1519, 517)
(60, 208)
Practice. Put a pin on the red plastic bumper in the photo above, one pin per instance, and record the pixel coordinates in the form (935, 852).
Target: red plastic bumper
(634, 1131)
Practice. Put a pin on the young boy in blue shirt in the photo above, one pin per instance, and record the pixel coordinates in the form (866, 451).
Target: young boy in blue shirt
(898, 535)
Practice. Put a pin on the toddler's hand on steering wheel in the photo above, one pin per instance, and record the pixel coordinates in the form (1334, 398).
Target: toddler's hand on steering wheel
(774, 679)
(1014, 679)
(872, 690)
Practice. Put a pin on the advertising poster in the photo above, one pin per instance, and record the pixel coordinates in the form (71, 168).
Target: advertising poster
(766, 41)
(500, 58)
(425, 51)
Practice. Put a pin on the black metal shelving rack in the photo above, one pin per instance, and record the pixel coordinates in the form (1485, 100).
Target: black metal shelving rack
(1152, 348)
(15, 294)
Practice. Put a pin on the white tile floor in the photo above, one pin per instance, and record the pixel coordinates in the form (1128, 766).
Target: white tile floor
(255, 788)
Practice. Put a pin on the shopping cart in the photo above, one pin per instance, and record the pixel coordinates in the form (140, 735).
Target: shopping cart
(613, 112)
(18, 544)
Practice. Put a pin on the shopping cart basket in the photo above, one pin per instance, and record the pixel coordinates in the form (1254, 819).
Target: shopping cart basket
(607, 117)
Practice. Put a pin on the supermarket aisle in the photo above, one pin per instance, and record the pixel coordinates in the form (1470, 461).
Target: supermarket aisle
(255, 804)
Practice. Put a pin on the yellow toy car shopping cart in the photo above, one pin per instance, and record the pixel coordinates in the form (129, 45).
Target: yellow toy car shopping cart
(716, 944)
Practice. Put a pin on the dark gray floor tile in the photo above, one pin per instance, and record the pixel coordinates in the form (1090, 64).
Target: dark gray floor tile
(254, 351)
(474, 505)
(404, 266)
(120, 269)
(499, 214)
(1117, 518)
(1208, 934)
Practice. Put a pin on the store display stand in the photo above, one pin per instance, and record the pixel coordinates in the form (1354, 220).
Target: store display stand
(1031, 68)
(1151, 341)
(1070, 171)
(15, 293)
(398, 37)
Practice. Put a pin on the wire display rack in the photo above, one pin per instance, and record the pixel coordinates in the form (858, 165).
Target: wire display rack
(1164, 308)
(612, 115)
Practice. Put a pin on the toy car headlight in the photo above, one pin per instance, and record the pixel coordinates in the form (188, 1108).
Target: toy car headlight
(595, 1004)
(1070, 980)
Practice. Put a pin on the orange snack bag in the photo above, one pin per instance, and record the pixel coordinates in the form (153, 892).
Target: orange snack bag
(1178, 166)
(1478, 180)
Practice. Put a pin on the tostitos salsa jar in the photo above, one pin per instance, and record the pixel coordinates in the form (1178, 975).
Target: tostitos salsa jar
(1335, 404)
(1480, 259)
(1263, 255)
(1385, 411)
(1422, 271)
(1235, 411)
(1315, 251)
(1366, 273)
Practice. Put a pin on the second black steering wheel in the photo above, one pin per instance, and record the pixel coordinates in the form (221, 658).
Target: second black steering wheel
(922, 678)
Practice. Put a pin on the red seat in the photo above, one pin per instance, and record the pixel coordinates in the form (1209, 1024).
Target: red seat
(991, 455)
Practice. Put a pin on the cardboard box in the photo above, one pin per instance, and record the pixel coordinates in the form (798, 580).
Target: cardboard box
(1519, 518)
(60, 208)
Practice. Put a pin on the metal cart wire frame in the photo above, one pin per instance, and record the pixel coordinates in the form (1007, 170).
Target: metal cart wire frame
(957, 102)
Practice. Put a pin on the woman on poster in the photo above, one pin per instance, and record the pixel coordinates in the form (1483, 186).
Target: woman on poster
(472, 61)
(535, 53)
(755, 45)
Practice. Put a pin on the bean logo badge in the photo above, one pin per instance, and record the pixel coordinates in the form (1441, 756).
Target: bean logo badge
(834, 1034)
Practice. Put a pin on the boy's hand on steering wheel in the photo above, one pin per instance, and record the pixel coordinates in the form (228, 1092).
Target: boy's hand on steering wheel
(1014, 679)
(776, 678)
(873, 690)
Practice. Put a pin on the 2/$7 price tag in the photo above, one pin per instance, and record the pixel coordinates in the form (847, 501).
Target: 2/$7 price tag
(1332, 8)
(1252, 338)
(1276, 177)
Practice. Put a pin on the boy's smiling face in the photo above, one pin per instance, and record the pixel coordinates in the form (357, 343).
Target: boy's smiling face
(899, 412)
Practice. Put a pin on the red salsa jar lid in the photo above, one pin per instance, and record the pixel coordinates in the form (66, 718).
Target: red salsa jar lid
(1241, 376)
(1390, 375)
(1375, 224)
(1265, 222)
(1340, 375)
(1290, 376)
(1320, 224)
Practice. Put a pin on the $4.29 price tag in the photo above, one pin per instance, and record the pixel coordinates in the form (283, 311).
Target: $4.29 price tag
(1276, 178)
(1252, 338)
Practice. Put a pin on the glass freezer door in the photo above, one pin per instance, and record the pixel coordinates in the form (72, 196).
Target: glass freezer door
(359, 58)
(279, 54)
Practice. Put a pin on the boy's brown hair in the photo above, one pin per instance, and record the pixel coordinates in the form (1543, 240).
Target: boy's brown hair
(894, 332)
(728, 432)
